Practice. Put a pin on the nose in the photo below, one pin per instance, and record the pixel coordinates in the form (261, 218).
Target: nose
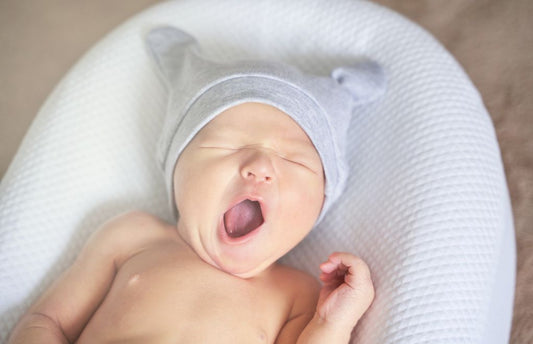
(257, 167)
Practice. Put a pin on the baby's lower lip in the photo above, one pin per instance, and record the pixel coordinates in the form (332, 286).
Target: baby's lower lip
(225, 238)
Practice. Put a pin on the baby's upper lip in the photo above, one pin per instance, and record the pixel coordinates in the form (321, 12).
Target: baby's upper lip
(252, 196)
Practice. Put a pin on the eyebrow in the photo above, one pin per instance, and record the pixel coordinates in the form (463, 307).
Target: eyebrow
(300, 143)
(234, 132)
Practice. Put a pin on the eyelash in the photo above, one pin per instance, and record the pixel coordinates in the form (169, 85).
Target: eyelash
(225, 148)
(294, 162)
(288, 160)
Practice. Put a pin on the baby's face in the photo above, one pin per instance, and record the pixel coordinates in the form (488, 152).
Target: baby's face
(256, 152)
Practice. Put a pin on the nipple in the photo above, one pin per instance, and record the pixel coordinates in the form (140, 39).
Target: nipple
(133, 280)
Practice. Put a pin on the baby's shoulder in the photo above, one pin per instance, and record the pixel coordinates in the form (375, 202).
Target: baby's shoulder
(134, 225)
(302, 288)
(296, 280)
(128, 232)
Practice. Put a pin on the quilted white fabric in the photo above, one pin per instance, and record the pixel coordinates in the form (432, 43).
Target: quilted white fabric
(426, 205)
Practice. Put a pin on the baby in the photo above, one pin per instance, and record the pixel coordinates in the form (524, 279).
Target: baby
(252, 154)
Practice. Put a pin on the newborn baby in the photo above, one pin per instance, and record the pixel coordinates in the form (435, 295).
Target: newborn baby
(252, 154)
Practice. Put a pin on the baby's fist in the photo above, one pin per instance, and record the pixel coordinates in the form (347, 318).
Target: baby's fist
(347, 291)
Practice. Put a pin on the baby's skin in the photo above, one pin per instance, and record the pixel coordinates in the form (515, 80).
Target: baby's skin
(141, 280)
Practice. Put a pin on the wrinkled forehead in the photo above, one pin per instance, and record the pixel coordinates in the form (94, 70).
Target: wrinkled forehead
(257, 121)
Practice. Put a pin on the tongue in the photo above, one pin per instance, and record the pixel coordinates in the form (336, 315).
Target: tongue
(243, 218)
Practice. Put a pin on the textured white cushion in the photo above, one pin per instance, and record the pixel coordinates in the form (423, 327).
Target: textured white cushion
(426, 205)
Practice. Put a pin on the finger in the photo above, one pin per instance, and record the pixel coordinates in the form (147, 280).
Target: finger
(357, 270)
(345, 258)
(334, 262)
(325, 278)
(332, 277)
(328, 266)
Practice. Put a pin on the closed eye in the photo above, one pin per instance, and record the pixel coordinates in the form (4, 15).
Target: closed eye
(282, 157)
(226, 148)
(299, 164)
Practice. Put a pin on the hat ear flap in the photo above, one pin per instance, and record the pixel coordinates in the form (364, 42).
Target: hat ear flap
(365, 81)
(168, 46)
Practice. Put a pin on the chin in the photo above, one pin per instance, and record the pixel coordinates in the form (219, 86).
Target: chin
(245, 272)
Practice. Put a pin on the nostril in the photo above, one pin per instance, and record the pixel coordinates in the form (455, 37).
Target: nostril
(253, 176)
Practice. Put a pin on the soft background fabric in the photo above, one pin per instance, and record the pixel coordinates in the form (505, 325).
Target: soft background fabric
(491, 39)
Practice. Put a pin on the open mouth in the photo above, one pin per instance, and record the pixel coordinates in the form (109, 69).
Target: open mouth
(243, 218)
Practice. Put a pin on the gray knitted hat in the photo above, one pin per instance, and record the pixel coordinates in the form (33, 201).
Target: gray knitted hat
(200, 89)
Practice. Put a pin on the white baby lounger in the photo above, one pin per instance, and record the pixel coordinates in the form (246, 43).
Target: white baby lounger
(426, 204)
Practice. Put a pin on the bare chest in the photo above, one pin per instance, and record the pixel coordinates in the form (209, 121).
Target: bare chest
(163, 297)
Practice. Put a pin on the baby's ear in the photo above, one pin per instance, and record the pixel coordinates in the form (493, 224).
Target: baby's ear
(365, 80)
(168, 46)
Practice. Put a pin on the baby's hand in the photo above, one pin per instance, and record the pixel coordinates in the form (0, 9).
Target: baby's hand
(347, 291)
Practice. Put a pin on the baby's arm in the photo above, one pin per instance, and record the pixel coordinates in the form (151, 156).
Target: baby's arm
(62, 312)
(344, 298)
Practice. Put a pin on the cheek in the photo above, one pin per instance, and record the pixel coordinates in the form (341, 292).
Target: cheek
(197, 184)
(303, 201)
(186, 185)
